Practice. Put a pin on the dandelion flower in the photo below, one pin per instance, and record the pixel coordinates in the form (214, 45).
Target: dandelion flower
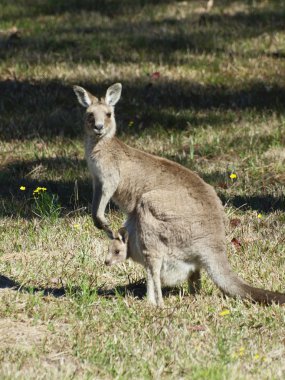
(233, 176)
(256, 357)
(259, 216)
(224, 312)
(39, 189)
(23, 188)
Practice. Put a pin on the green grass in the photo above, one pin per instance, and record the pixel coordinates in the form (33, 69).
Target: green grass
(217, 108)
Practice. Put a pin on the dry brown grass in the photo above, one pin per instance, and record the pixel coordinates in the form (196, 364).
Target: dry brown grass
(217, 107)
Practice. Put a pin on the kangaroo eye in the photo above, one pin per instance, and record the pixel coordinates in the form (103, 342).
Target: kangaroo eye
(108, 114)
(90, 118)
(117, 252)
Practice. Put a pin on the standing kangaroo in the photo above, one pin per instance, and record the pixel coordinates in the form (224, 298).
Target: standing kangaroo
(171, 212)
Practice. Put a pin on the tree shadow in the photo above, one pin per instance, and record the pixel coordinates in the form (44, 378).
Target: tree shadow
(75, 192)
(49, 109)
(262, 203)
(150, 39)
(72, 194)
(110, 8)
(136, 41)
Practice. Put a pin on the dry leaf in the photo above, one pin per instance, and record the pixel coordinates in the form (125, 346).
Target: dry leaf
(236, 243)
(235, 222)
(155, 75)
(197, 328)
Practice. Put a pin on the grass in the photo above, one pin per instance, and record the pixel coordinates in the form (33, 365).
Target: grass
(217, 107)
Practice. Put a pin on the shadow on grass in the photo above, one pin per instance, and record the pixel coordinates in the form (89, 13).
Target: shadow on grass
(75, 192)
(48, 109)
(215, 34)
(111, 8)
(8, 283)
(72, 194)
(119, 40)
(261, 203)
(136, 289)
(264, 203)
(18, 205)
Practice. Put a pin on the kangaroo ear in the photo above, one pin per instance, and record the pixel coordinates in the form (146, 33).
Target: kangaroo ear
(113, 94)
(83, 96)
(111, 235)
(123, 235)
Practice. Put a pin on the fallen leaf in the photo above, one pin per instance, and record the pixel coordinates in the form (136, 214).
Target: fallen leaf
(197, 328)
(236, 242)
(155, 75)
(235, 222)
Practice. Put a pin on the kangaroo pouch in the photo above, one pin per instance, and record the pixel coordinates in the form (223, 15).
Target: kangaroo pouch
(174, 272)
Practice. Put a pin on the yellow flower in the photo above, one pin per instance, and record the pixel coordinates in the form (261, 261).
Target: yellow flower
(76, 225)
(225, 312)
(256, 357)
(39, 189)
(233, 176)
(131, 123)
(259, 216)
(23, 188)
(239, 353)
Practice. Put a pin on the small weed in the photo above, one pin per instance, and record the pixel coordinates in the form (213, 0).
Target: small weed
(45, 205)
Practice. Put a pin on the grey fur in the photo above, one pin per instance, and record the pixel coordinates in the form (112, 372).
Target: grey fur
(173, 217)
(172, 272)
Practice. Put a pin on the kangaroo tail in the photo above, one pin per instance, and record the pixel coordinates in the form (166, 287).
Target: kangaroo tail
(220, 272)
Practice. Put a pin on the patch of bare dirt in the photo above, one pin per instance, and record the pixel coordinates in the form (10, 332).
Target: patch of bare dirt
(21, 334)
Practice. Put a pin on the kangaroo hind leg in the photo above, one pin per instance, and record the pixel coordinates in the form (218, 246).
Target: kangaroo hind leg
(154, 293)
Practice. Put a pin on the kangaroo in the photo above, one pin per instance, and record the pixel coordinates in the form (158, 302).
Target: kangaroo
(172, 271)
(171, 211)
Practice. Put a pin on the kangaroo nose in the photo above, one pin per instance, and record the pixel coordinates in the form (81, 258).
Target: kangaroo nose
(99, 127)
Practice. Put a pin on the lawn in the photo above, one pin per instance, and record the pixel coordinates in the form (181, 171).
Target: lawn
(206, 90)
